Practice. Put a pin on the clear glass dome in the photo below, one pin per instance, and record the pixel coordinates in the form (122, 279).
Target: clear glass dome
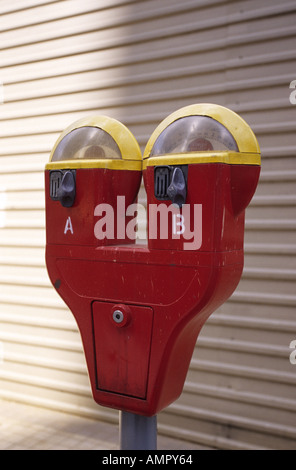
(89, 143)
(194, 134)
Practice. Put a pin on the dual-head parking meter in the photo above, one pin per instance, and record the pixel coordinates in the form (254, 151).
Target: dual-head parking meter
(140, 308)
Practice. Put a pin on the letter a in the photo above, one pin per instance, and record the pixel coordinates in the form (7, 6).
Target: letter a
(68, 226)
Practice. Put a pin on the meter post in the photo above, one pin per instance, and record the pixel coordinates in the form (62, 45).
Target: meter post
(137, 432)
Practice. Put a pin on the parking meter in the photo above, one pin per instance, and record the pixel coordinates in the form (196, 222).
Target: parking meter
(203, 161)
(94, 162)
(140, 308)
(201, 167)
(92, 178)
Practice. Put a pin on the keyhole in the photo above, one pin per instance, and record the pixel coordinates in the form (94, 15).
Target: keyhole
(118, 316)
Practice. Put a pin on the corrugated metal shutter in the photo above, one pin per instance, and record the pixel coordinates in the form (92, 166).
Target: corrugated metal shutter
(138, 61)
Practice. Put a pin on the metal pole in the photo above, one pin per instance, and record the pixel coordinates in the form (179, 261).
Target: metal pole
(137, 432)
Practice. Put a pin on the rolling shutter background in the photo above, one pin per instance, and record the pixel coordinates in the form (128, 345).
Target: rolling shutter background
(138, 61)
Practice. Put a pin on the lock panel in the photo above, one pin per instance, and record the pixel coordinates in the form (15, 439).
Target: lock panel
(63, 186)
(122, 347)
(165, 179)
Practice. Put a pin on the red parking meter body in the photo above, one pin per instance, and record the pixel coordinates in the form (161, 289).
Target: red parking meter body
(140, 308)
(88, 171)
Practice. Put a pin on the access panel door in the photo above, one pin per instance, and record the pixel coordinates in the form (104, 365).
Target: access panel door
(122, 347)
